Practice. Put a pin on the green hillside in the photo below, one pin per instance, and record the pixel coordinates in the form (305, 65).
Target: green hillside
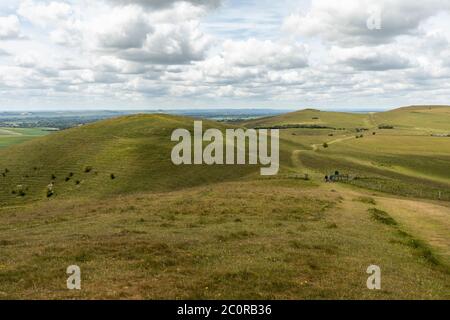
(315, 117)
(424, 118)
(81, 161)
(406, 160)
(160, 231)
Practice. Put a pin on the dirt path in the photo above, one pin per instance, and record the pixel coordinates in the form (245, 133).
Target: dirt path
(425, 220)
(428, 221)
(315, 147)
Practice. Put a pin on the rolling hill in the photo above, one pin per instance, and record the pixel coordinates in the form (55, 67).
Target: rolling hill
(82, 162)
(406, 160)
(160, 231)
(314, 117)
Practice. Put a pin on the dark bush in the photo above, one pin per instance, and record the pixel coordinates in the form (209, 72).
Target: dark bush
(385, 126)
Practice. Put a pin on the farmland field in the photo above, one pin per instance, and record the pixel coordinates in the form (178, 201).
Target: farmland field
(11, 136)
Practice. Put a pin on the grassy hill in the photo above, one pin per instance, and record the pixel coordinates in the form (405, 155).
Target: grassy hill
(314, 117)
(427, 119)
(224, 232)
(80, 161)
(422, 118)
(405, 160)
(263, 239)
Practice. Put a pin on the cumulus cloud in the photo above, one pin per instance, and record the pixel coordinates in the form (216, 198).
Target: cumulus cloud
(170, 44)
(371, 58)
(9, 27)
(123, 29)
(345, 22)
(158, 4)
(44, 14)
(4, 53)
(166, 51)
(253, 52)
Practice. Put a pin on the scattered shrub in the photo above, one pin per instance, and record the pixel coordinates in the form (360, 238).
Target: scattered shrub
(67, 179)
(367, 200)
(88, 169)
(325, 145)
(112, 176)
(77, 182)
(53, 177)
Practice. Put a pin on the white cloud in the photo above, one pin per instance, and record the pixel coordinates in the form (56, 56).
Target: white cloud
(9, 27)
(345, 22)
(253, 53)
(44, 14)
(380, 58)
(123, 28)
(157, 4)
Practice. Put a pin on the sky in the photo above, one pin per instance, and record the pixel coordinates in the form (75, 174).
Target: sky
(169, 54)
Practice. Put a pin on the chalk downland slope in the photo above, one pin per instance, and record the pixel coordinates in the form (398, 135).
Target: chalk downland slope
(408, 159)
(218, 232)
(262, 239)
(117, 156)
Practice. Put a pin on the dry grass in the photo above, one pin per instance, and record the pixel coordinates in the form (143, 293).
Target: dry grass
(269, 239)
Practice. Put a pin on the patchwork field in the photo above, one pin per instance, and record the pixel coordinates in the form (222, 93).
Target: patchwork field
(140, 227)
(11, 136)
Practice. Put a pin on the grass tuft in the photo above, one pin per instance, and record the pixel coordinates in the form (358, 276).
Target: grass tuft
(382, 216)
